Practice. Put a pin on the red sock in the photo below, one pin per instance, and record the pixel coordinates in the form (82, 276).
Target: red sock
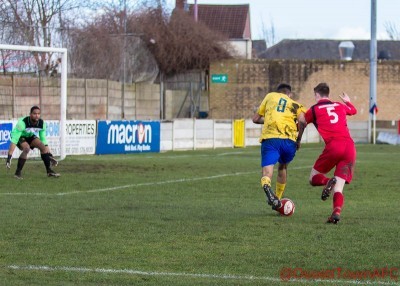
(319, 180)
(338, 202)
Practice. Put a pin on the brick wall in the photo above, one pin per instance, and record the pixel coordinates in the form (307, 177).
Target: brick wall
(250, 80)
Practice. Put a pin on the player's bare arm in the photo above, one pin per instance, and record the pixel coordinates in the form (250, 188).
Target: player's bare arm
(302, 125)
(258, 119)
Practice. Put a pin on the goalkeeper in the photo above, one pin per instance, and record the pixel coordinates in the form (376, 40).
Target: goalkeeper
(30, 133)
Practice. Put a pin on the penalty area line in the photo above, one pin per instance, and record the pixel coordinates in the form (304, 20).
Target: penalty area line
(190, 275)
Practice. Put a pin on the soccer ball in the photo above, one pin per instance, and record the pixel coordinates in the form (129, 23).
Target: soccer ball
(287, 208)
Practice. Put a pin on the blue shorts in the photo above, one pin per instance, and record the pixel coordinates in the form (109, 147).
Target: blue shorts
(277, 150)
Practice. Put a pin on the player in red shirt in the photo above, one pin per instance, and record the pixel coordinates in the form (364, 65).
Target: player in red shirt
(329, 117)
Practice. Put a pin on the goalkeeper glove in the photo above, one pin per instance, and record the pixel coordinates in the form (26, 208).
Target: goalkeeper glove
(8, 162)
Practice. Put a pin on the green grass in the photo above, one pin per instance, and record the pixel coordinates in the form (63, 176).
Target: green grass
(194, 218)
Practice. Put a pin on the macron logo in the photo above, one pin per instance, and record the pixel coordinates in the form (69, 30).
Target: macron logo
(129, 134)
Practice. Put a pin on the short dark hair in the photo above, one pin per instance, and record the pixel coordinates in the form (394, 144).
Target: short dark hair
(34, 108)
(322, 88)
(284, 88)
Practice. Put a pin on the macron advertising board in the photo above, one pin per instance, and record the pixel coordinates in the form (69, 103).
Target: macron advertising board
(117, 137)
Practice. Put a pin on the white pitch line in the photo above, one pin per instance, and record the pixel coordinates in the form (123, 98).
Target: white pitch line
(168, 156)
(191, 275)
(137, 272)
(183, 180)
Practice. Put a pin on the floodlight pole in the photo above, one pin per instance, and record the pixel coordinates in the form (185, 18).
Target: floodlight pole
(373, 76)
(196, 11)
(124, 65)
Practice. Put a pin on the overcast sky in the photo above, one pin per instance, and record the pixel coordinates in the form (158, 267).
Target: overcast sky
(317, 19)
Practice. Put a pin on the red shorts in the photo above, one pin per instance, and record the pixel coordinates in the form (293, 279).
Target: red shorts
(340, 154)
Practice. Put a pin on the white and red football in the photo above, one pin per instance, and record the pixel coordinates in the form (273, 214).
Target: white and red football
(287, 208)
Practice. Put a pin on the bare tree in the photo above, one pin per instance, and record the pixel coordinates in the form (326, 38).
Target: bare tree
(36, 23)
(102, 47)
(8, 34)
(268, 33)
(151, 39)
(392, 31)
(180, 44)
(95, 50)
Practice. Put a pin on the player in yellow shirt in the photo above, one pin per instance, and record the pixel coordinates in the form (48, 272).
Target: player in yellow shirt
(283, 126)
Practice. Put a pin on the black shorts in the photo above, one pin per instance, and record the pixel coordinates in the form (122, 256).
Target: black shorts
(27, 140)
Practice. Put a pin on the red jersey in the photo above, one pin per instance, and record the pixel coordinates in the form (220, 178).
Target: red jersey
(330, 118)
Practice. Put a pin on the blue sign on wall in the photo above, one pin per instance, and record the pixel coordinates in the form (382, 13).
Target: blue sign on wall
(5, 136)
(117, 137)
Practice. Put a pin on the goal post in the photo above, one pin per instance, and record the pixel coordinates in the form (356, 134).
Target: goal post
(64, 70)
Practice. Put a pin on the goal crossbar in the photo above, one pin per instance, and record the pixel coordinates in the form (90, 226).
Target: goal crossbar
(63, 105)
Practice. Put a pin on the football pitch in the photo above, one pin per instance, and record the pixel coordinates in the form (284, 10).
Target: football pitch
(197, 218)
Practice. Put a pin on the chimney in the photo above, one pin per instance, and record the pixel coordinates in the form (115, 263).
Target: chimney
(346, 50)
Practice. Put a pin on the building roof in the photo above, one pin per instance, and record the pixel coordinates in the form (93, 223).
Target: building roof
(329, 50)
(233, 21)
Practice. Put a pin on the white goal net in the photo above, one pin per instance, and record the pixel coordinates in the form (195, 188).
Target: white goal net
(23, 84)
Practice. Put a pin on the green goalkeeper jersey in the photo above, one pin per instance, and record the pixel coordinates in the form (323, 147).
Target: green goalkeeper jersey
(26, 128)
